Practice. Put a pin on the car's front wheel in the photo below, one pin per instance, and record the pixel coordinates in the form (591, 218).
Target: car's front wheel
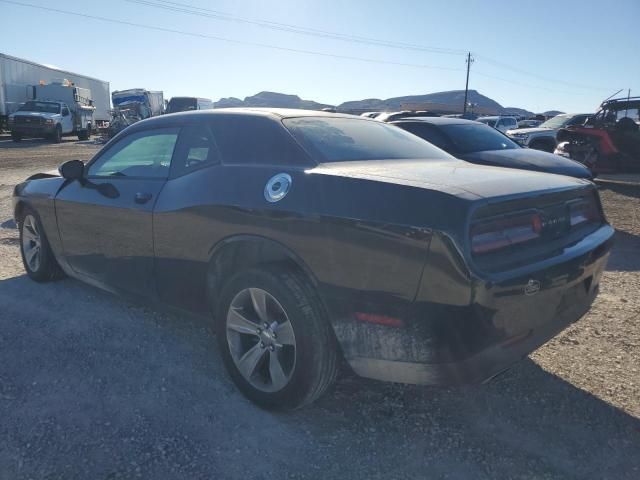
(56, 136)
(37, 257)
(275, 340)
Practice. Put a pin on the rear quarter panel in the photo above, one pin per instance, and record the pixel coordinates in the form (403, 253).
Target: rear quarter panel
(364, 242)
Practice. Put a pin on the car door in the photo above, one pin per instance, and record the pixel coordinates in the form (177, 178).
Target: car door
(106, 221)
(67, 120)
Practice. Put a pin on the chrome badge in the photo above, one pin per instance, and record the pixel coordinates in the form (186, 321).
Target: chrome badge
(277, 187)
(532, 287)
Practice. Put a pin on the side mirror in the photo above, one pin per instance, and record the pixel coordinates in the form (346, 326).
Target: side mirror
(72, 170)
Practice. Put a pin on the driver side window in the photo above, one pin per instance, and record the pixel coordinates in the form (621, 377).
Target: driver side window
(143, 154)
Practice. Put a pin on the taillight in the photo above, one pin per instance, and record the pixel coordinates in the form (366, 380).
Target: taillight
(495, 234)
(583, 211)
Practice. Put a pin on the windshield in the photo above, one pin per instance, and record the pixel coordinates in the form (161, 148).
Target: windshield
(558, 121)
(488, 121)
(181, 104)
(352, 139)
(46, 107)
(477, 138)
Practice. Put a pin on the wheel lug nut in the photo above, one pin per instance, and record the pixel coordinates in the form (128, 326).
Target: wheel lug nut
(265, 325)
(271, 348)
(258, 331)
(261, 344)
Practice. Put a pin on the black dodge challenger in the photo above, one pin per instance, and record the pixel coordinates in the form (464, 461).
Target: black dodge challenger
(312, 237)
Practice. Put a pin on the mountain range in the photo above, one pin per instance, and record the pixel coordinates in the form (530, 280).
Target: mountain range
(452, 97)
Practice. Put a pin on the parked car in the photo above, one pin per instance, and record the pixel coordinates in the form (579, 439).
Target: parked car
(499, 123)
(370, 114)
(325, 236)
(544, 137)
(391, 116)
(529, 123)
(478, 143)
(186, 104)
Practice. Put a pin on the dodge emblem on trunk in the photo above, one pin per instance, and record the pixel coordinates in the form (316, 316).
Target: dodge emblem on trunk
(532, 287)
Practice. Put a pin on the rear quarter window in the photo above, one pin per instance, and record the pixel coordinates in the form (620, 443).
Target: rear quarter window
(244, 139)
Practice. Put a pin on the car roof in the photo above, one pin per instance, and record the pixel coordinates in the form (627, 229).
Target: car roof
(278, 113)
(436, 120)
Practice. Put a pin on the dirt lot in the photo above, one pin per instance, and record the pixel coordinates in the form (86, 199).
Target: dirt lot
(93, 387)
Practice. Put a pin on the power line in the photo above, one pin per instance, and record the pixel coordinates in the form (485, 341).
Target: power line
(230, 40)
(217, 15)
(506, 66)
(526, 85)
(189, 9)
(263, 45)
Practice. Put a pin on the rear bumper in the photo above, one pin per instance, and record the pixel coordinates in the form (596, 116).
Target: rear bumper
(478, 368)
(503, 322)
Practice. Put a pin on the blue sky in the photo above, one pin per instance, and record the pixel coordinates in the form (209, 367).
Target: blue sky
(586, 43)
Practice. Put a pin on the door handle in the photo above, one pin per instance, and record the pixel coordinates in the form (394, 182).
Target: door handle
(141, 197)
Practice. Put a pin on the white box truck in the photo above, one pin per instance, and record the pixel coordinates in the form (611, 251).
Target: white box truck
(19, 77)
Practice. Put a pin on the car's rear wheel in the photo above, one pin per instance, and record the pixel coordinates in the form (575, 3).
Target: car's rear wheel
(275, 339)
(37, 257)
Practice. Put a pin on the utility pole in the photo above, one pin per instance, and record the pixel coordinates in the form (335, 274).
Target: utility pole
(466, 88)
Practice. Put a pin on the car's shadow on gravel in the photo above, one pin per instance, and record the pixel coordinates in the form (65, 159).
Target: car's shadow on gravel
(92, 386)
(32, 143)
(625, 255)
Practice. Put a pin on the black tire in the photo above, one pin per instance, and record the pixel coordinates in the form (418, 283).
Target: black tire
(47, 268)
(83, 135)
(16, 137)
(544, 145)
(316, 362)
(56, 137)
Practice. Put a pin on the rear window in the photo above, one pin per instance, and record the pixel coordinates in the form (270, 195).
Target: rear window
(352, 139)
(472, 137)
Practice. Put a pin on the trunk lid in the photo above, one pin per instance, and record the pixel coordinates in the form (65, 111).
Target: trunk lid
(453, 176)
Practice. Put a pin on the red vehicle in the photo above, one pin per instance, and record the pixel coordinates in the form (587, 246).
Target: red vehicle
(609, 141)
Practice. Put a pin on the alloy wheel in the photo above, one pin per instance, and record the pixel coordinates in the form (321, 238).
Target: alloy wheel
(261, 339)
(31, 243)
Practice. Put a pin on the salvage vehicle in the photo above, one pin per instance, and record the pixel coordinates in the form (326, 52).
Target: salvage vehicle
(57, 109)
(186, 104)
(131, 106)
(311, 237)
(610, 140)
(499, 122)
(543, 137)
(478, 143)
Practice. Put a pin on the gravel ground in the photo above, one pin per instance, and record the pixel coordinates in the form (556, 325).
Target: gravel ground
(93, 387)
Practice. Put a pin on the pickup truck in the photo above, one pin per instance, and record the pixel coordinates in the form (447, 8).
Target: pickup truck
(56, 110)
(544, 137)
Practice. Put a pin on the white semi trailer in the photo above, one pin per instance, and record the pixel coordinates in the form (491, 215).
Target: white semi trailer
(19, 77)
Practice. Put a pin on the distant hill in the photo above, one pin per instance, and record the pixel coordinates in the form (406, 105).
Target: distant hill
(270, 99)
(452, 97)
